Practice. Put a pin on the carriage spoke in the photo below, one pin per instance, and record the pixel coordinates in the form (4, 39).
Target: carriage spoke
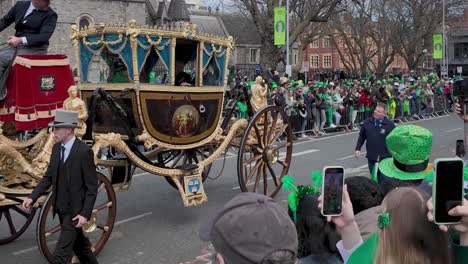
(284, 164)
(265, 179)
(202, 154)
(181, 154)
(273, 125)
(286, 144)
(255, 169)
(247, 162)
(185, 159)
(265, 129)
(21, 212)
(259, 137)
(257, 179)
(277, 135)
(103, 228)
(101, 186)
(273, 175)
(194, 158)
(53, 231)
(10, 222)
(103, 206)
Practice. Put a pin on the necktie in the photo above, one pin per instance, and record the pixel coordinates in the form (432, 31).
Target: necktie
(62, 157)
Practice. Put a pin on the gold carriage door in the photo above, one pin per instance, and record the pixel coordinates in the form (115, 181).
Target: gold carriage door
(181, 118)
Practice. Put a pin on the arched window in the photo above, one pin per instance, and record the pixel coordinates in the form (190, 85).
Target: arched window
(84, 20)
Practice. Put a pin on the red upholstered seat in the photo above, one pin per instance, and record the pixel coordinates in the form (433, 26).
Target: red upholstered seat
(36, 86)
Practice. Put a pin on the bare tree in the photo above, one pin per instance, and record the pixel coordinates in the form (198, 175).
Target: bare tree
(363, 36)
(302, 14)
(416, 21)
(351, 35)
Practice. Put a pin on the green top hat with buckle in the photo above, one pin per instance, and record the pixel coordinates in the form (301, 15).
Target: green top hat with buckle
(410, 147)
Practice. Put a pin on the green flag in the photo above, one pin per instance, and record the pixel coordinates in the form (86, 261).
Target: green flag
(280, 25)
(438, 47)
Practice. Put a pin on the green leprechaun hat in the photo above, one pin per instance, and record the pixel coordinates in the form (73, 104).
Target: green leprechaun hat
(410, 147)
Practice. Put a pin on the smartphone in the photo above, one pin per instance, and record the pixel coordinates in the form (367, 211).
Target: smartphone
(332, 190)
(447, 189)
(460, 149)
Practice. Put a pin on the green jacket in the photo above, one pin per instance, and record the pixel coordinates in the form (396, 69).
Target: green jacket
(365, 254)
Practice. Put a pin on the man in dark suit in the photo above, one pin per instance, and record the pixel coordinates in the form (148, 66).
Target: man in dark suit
(72, 174)
(35, 23)
(375, 130)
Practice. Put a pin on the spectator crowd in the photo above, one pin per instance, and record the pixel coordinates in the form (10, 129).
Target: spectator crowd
(318, 107)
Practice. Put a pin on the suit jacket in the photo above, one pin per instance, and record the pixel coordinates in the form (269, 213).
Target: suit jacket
(38, 27)
(80, 173)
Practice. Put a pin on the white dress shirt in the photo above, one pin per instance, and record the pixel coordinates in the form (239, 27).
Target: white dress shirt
(28, 12)
(345, 253)
(68, 146)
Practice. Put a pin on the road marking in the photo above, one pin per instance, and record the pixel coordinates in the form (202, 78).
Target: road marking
(355, 132)
(350, 156)
(140, 174)
(23, 251)
(354, 170)
(132, 218)
(453, 130)
(20, 252)
(305, 152)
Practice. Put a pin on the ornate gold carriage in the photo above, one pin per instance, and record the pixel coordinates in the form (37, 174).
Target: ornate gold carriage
(154, 99)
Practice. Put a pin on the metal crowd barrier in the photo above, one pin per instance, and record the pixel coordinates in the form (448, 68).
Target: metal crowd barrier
(351, 118)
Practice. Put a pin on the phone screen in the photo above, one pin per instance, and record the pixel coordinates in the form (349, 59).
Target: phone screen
(448, 190)
(333, 191)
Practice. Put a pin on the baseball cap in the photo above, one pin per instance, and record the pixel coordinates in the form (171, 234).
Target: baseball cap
(249, 228)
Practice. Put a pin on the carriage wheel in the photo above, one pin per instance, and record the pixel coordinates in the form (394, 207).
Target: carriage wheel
(13, 222)
(265, 152)
(183, 158)
(102, 223)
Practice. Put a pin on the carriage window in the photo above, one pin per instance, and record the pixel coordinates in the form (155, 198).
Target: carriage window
(211, 74)
(185, 62)
(98, 70)
(117, 72)
(154, 71)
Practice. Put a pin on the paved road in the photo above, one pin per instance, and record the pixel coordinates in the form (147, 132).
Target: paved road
(153, 226)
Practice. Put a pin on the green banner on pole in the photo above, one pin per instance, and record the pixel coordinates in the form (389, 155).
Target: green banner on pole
(280, 25)
(438, 46)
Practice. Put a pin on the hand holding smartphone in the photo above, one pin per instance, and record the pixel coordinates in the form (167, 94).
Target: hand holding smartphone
(332, 191)
(447, 189)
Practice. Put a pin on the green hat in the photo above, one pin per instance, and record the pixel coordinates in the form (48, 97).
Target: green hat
(274, 85)
(410, 147)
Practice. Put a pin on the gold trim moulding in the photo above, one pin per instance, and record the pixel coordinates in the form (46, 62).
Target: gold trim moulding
(198, 36)
(181, 89)
(106, 86)
(150, 87)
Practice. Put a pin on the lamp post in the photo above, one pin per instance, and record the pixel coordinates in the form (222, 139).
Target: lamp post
(287, 33)
(444, 42)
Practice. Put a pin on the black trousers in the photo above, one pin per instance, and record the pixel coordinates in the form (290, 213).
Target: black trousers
(72, 241)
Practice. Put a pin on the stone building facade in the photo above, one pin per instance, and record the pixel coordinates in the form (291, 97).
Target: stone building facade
(85, 12)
